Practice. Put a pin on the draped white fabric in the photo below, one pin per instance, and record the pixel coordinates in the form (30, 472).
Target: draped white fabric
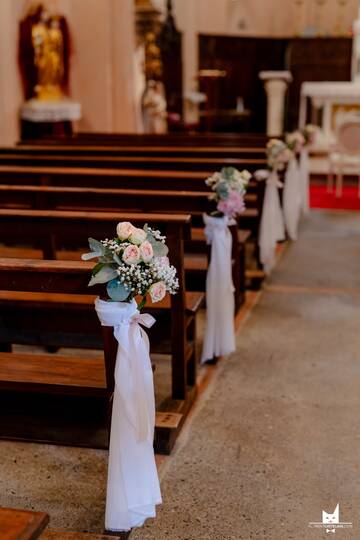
(133, 487)
(219, 338)
(304, 180)
(292, 199)
(272, 224)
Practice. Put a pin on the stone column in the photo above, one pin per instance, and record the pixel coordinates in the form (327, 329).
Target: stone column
(275, 84)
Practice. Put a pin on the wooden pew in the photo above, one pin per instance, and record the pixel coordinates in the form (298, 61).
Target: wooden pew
(137, 162)
(194, 203)
(21, 524)
(128, 179)
(85, 150)
(169, 139)
(72, 314)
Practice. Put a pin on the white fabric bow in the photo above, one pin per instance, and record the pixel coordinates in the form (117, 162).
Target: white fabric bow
(272, 224)
(219, 337)
(292, 199)
(133, 486)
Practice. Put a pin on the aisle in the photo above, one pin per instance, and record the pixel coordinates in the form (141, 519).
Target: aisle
(276, 438)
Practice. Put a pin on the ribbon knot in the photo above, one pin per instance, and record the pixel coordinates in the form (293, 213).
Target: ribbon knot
(271, 177)
(145, 319)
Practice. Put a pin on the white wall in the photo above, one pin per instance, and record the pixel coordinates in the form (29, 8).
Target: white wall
(281, 18)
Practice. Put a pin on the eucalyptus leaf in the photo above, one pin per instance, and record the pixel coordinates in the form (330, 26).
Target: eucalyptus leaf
(103, 276)
(228, 172)
(91, 255)
(97, 268)
(97, 246)
(117, 259)
(117, 290)
(222, 190)
(160, 249)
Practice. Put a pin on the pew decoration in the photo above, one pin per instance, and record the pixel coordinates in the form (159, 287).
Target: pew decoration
(292, 194)
(272, 228)
(296, 190)
(133, 264)
(229, 187)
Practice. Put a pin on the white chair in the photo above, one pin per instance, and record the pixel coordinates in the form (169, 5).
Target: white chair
(345, 154)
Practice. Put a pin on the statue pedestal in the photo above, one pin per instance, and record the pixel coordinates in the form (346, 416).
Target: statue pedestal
(46, 118)
(275, 84)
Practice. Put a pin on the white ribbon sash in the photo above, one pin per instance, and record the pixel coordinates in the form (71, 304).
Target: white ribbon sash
(292, 199)
(304, 180)
(133, 486)
(219, 338)
(272, 223)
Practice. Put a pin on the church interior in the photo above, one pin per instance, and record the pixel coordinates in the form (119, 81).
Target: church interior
(179, 291)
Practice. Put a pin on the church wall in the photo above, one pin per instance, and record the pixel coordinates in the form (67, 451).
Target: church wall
(270, 18)
(102, 63)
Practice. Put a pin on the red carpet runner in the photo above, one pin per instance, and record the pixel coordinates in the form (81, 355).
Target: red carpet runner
(319, 198)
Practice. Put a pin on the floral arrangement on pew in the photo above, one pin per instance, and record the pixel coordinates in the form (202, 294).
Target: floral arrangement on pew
(133, 263)
(229, 188)
(309, 133)
(299, 139)
(295, 141)
(272, 230)
(278, 154)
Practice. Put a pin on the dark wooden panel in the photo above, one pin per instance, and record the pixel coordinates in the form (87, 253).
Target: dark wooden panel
(242, 58)
(309, 59)
(315, 59)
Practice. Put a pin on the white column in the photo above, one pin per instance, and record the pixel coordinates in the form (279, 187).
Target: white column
(186, 14)
(275, 84)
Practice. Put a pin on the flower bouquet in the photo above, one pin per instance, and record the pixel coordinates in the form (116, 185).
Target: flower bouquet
(295, 141)
(309, 133)
(278, 154)
(229, 187)
(133, 264)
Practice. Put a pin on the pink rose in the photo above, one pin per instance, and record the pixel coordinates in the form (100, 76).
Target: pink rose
(124, 230)
(131, 255)
(146, 251)
(233, 205)
(157, 291)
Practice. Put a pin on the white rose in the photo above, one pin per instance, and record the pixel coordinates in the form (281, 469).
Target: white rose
(245, 175)
(146, 251)
(137, 236)
(124, 230)
(157, 291)
(131, 255)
